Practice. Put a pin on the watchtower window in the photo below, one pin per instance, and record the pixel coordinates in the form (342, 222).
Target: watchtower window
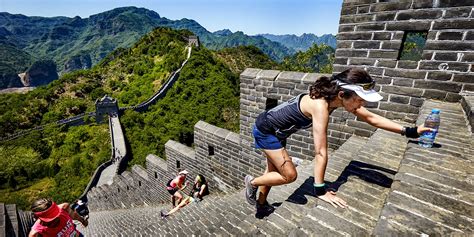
(156, 175)
(118, 190)
(210, 150)
(270, 103)
(178, 164)
(413, 44)
(139, 183)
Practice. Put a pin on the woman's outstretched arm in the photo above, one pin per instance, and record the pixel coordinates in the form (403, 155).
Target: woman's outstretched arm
(383, 123)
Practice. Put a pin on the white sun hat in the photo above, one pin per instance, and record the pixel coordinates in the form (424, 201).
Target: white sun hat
(369, 95)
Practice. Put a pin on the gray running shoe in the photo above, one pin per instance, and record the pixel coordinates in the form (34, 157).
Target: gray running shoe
(250, 191)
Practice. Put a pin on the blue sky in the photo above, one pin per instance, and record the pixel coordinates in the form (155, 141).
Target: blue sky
(250, 16)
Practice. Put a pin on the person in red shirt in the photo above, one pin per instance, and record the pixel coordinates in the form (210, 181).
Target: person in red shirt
(175, 185)
(54, 220)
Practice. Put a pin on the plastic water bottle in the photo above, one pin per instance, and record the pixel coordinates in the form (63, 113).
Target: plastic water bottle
(432, 121)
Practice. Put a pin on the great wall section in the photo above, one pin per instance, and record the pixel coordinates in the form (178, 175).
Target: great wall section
(393, 186)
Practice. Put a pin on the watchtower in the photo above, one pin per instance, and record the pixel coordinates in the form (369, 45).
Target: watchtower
(105, 106)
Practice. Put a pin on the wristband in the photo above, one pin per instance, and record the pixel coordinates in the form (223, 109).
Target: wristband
(404, 131)
(319, 189)
(412, 132)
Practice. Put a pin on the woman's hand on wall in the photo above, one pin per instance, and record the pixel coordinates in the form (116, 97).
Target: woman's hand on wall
(330, 197)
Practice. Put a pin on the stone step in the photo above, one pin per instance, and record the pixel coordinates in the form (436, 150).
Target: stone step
(433, 191)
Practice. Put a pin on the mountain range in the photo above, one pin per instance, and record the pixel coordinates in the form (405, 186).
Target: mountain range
(79, 43)
(302, 42)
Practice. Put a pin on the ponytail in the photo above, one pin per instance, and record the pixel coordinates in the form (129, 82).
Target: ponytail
(324, 87)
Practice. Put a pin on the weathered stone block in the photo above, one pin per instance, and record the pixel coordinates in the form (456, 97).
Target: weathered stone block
(382, 35)
(402, 90)
(454, 3)
(390, 6)
(468, 57)
(385, 16)
(351, 53)
(267, 74)
(457, 12)
(403, 82)
(415, 74)
(362, 61)
(453, 66)
(434, 94)
(419, 14)
(399, 99)
(387, 63)
(344, 44)
(348, 10)
(398, 107)
(409, 26)
(284, 84)
(294, 77)
(250, 73)
(423, 4)
(406, 64)
(468, 87)
(370, 27)
(346, 28)
(375, 71)
(354, 36)
(427, 55)
(454, 24)
(438, 85)
(390, 54)
(382, 80)
(470, 35)
(418, 102)
(453, 97)
(464, 78)
(363, 9)
(440, 76)
(394, 44)
(442, 56)
(367, 44)
(355, 19)
(342, 61)
(450, 35)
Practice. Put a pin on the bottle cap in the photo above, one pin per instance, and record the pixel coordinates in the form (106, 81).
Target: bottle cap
(435, 111)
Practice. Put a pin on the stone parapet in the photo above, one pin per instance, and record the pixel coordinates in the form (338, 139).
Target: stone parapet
(467, 103)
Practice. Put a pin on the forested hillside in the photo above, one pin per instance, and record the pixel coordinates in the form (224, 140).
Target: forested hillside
(77, 43)
(59, 161)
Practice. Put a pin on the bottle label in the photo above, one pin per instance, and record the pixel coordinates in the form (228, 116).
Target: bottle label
(431, 135)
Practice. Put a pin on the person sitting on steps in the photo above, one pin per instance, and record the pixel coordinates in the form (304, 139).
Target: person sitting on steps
(185, 201)
(174, 186)
(349, 89)
(200, 187)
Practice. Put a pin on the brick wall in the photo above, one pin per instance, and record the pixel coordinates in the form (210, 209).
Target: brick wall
(259, 87)
(370, 36)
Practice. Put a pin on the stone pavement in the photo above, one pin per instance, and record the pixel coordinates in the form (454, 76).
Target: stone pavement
(393, 187)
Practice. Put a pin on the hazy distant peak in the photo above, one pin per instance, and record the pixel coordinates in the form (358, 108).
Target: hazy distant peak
(223, 32)
(302, 42)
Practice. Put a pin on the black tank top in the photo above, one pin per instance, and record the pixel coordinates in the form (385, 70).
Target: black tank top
(284, 120)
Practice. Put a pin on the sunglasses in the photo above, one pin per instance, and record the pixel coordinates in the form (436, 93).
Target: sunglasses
(365, 86)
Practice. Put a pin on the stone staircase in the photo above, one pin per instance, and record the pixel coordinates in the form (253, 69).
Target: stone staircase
(392, 187)
(14, 222)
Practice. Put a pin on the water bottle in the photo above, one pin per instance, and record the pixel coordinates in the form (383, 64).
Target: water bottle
(432, 121)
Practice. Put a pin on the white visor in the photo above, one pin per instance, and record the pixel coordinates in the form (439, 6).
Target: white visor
(368, 95)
